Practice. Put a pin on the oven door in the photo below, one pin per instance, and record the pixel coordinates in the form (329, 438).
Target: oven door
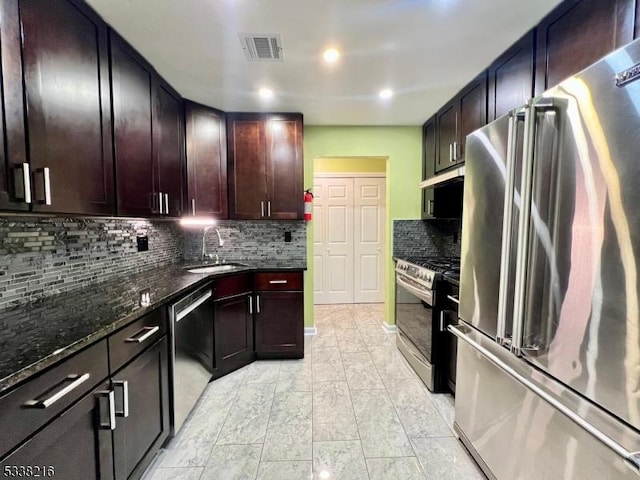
(414, 314)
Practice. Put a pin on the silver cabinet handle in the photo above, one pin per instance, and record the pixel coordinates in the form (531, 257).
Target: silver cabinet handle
(110, 424)
(451, 152)
(275, 282)
(124, 385)
(25, 179)
(139, 339)
(250, 305)
(442, 327)
(257, 303)
(262, 209)
(632, 458)
(193, 206)
(77, 381)
(453, 299)
(269, 208)
(46, 177)
(166, 203)
(430, 207)
(161, 203)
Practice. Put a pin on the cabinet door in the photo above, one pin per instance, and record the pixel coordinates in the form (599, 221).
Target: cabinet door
(131, 90)
(66, 81)
(511, 78)
(168, 147)
(447, 122)
(472, 114)
(279, 325)
(233, 333)
(77, 444)
(206, 161)
(12, 135)
(577, 34)
(284, 167)
(428, 165)
(146, 426)
(247, 198)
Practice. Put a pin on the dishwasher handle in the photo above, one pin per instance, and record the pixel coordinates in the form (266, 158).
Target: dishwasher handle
(191, 306)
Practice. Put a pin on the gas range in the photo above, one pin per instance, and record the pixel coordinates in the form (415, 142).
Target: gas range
(427, 270)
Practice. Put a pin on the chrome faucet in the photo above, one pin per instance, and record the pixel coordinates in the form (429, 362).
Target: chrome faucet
(204, 244)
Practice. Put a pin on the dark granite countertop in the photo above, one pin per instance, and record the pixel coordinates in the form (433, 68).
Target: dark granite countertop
(37, 335)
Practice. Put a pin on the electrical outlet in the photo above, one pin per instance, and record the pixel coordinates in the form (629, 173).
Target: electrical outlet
(143, 243)
(287, 237)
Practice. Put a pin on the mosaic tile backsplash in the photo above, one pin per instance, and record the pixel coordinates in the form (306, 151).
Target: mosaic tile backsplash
(45, 256)
(426, 238)
(250, 240)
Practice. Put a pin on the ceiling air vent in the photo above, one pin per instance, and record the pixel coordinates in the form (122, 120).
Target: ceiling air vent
(262, 47)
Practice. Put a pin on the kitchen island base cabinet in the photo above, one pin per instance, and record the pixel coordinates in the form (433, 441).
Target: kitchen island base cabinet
(279, 315)
(233, 324)
(76, 445)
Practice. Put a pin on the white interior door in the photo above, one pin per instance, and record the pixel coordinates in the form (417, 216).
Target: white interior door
(348, 217)
(369, 217)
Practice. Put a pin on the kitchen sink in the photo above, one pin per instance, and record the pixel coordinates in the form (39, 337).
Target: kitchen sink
(216, 268)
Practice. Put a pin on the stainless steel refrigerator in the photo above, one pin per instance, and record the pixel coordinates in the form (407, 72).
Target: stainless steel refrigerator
(548, 380)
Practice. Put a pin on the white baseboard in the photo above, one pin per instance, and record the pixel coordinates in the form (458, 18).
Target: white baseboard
(389, 328)
(308, 331)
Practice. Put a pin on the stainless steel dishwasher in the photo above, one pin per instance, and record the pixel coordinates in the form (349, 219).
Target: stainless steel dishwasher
(191, 328)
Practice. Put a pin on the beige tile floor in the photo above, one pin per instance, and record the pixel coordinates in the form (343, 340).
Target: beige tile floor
(351, 409)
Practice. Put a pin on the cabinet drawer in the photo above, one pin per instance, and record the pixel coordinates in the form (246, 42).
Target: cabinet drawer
(135, 338)
(230, 286)
(33, 404)
(278, 281)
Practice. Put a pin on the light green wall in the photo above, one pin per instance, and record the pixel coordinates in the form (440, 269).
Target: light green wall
(402, 147)
(350, 165)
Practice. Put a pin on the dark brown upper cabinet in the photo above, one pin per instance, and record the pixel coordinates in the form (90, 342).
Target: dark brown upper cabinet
(465, 113)
(62, 82)
(577, 34)
(511, 77)
(206, 161)
(147, 123)
(168, 146)
(428, 165)
(14, 170)
(265, 166)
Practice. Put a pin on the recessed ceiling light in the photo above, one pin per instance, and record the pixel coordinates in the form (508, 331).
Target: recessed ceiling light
(331, 55)
(265, 93)
(386, 93)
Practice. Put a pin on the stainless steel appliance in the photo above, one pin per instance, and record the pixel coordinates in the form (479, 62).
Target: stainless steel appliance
(548, 379)
(422, 333)
(191, 324)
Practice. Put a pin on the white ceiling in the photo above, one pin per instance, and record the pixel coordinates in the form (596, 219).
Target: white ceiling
(425, 50)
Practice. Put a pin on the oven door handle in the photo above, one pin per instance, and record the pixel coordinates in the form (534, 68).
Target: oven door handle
(426, 296)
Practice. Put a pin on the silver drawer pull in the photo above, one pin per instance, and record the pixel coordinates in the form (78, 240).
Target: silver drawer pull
(77, 381)
(453, 299)
(124, 384)
(110, 424)
(139, 339)
(277, 282)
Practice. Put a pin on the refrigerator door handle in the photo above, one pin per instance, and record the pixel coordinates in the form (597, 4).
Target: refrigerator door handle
(535, 106)
(515, 116)
(632, 459)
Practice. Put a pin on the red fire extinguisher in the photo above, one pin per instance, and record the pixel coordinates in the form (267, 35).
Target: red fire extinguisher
(308, 200)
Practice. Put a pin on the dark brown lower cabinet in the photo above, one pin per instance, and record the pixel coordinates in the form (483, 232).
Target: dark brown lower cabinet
(142, 411)
(233, 333)
(233, 323)
(279, 324)
(75, 446)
